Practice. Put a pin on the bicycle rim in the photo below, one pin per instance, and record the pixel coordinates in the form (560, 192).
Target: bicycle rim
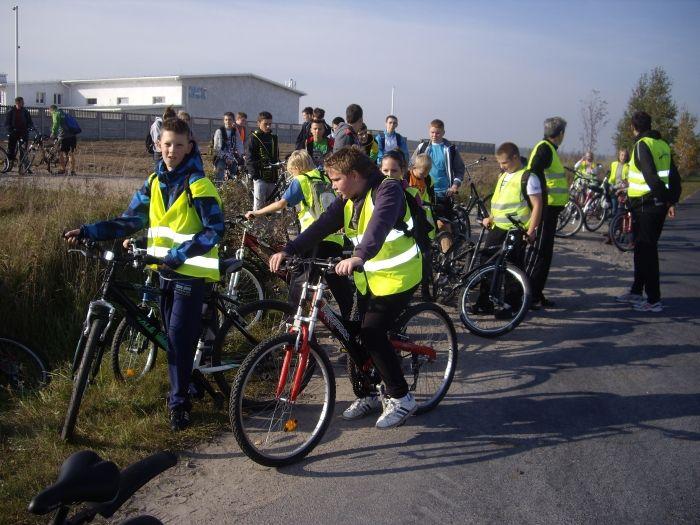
(494, 302)
(428, 378)
(273, 430)
(595, 216)
(22, 371)
(621, 236)
(570, 220)
(244, 287)
(133, 354)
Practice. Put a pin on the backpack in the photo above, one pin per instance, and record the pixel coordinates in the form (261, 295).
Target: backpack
(322, 194)
(150, 145)
(70, 123)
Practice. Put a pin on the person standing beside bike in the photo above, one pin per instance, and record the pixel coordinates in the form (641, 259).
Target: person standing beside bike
(182, 211)
(263, 151)
(386, 265)
(66, 139)
(654, 189)
(545, 163)
(18, 122)
(617, 178)
(225, 148)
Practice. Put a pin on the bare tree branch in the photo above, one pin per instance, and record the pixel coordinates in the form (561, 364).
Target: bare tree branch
(594, 112)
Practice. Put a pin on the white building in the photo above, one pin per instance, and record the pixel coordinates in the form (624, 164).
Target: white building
(205, 96)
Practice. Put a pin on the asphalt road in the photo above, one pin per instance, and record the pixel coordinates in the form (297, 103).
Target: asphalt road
(587, 413)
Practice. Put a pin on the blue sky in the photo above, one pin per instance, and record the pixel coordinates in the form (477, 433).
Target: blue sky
(491, 70)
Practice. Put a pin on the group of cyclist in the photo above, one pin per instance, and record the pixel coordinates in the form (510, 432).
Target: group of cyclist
(371, 207)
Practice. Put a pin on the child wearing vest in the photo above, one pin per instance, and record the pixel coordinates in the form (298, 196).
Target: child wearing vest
(369, 206)
(176, 202)
(300, 194)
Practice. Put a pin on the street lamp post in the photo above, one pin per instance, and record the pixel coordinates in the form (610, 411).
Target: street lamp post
(16, 10)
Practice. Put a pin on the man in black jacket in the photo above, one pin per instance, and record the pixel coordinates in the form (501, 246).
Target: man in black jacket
(18, 122)
(307, 114)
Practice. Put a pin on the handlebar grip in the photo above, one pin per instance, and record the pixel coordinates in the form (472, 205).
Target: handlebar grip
(150, 259)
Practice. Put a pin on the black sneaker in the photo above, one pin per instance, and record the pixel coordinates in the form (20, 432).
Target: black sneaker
(179, 419)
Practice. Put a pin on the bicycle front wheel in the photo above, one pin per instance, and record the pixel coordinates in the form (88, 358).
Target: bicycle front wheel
(595, 215)
(429, 377)
(22, 370)
(4, 161)
(241, 331)
(133, 354)
(26, 162)
(494, 300)
(271, 428)
(244, 286)
(621, 232)
(570, 220)
(81, 378)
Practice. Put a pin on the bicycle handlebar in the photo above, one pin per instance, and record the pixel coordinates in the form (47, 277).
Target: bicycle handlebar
(328, 264)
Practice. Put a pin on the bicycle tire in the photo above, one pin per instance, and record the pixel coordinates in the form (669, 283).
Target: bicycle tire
(22, 370)
(133, 354)
(428, 380)
(276, 432)
(595, 215)
(570, 216)
(244, 286)
(81, 378)
(231, 346)
(26, 162)
(623, 240)
(487, 322)
(4, 161)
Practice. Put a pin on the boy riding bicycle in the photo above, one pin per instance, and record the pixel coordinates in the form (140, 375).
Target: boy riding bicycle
(386, 266)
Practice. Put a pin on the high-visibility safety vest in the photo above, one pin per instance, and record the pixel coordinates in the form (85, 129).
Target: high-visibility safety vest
(180, 223)
(613, 171)
(661, 152)
(508, 199)
(306, 206)
(425, 197)
(397, 267)
(557, 185)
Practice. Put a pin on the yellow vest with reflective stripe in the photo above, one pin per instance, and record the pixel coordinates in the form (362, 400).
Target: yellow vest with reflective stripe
(613, 171)
(557, 185)
(306, 217)
(425, 197)
(397, 267)
(508, 199)
(661, 152)
(169, 229)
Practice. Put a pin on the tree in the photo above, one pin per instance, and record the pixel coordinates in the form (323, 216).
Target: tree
(686, 147)
(653, 95)
(594, 111)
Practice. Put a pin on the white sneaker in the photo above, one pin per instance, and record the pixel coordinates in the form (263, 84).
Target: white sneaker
(646, 306)
(396, 411)
(630, 298)
(361, 407)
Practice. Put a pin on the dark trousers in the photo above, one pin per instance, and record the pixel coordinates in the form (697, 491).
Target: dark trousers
(647, 224)
(181, 306)
(12, 140)
(545, 249)
(341, 287)
(378, 315)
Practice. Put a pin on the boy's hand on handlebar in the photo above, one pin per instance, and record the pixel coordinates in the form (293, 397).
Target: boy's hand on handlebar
(250, 215)
(72, 237)
(276, 261)
(486, 222)
(347, 266)
(530, 236)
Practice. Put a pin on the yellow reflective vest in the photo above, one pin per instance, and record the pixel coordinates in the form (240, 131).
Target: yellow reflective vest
(613, 171)
(661, 152)
(180, 223)
(508, 199)
(557, 185)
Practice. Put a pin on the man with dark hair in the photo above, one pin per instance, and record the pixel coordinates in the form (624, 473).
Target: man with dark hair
(369, 207)
(155, 133)
(263, 151)
(337, 121)
(18, 122)
(307, 115)
(242, 138)
(391, 140)
(653, 191)
(320, 114)
(346, 132)
(225, 148)
(318, 145)
(545, 163)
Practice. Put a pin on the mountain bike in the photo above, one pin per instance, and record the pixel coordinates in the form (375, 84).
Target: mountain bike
(589, 194)
(620, 231)
(145, 328)
(283, 397)
(35, 153)
(496, 295)
(22, 370)
(85, 477)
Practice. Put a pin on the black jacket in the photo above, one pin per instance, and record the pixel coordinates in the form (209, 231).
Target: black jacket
(10, 119)
(263, 150)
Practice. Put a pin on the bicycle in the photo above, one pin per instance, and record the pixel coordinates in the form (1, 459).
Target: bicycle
(591, 198)
(570, 220)
(4, 161)
(144, 326)
(496, 295)
(621, 231)
(283, 397)
(28, 154)
(22, 370)
(85, 477)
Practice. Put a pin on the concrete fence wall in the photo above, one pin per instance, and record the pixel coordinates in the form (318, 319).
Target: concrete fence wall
(108, 125)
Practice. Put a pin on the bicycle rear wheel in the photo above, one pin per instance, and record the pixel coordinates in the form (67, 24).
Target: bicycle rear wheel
(81, 378)
(271, 429)
(133, 354)
(429, 378)
(621, 232)
(26, 162)
(494, 301)
(22, 370)
(241, 331)
(595, 215)
(570, 220)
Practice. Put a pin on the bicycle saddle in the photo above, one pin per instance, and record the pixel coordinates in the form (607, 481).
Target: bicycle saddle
(231, 265)
(84, 476)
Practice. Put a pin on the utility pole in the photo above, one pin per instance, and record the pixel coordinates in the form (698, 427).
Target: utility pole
(392, 100)
(16, 10)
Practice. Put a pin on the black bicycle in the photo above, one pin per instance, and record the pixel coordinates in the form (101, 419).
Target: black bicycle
(85, 477)
(35, 153)
(141, 330)
(496, 295)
